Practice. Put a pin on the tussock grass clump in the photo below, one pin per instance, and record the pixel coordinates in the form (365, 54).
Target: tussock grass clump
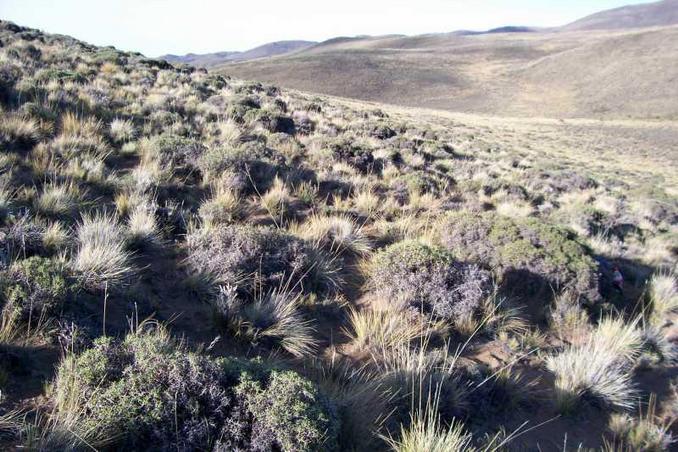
(649, 432)
(6, 197)
(383, 329)
(600, 369)
(17, 133)
(147, 176)
(122, 130)
(101, 259)
(277, 200)
(366, 203)
(568, 319)
(56, 237)
(339, 233)
(306, 192)
(426, 432)
(142, 225)
(360, 397)
(58, 200)
(272, 318)
(73, 125)
(663, 298)
(222, 209)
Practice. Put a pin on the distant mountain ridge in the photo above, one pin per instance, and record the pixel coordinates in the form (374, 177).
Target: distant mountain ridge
(659, 13)
(216, 58)
(505, 29)
(618, 63)
(655, 14)
(279, 48)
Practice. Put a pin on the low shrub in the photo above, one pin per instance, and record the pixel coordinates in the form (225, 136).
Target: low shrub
(173, 152)
(527, 254)
(144, 391)
(149, 389)
(250, 164)
(22, 238)
(289, 414)
(258, 258)
(358, 157)
(428, 278)
(34, 287)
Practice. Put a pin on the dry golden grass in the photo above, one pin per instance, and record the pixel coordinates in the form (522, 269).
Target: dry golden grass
(599, 368)
(383, 329)
(336, 234)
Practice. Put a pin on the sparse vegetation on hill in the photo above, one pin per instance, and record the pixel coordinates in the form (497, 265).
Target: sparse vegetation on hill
(320, 274)
(618, 72)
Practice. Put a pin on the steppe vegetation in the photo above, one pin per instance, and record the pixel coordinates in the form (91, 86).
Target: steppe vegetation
(193, 262)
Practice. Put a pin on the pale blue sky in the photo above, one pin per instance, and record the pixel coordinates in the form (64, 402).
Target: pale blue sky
(156, 27)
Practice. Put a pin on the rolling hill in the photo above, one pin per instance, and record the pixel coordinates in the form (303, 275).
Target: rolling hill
(614, 64)
(263, 51)
(608, 74)
(634, 16)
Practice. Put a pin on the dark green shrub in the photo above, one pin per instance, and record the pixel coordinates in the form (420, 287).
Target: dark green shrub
(429, 279)
(528, 254)
(355, 155)
(59, 75)
(109, 55)
(251, 165)
(35, 285)
(9, 74)
(289, 414)
(417, 182)
(150, 392)
(241, 107)
(146, 391)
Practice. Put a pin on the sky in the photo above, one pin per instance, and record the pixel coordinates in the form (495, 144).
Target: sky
(157, 27)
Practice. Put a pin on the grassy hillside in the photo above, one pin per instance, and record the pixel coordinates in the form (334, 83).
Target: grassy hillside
(617, 74)
(193, 262)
